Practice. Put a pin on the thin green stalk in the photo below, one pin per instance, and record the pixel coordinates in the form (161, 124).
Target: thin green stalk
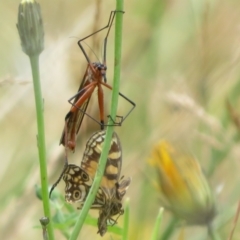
(155, 234)
(31, 33)
(235, 222)
(213, 233)
(126, 221)
(109, 131)
(34, 60)
(169, 230)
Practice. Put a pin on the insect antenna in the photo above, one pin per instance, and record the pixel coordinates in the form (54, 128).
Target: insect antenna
(59, 179)
(89, 48)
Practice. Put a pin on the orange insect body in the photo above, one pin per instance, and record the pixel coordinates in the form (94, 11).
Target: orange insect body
(92, 78)
(95, 76)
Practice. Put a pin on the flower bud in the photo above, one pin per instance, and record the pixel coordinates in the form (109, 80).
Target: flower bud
(30, 27)
(184, 188)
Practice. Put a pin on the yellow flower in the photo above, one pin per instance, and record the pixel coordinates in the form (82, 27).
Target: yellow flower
(184, 188)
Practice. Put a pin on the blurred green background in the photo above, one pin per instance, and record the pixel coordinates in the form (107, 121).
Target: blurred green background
(180, 62)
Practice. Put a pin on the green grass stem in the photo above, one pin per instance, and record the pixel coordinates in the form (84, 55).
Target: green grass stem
(126, 221)
(155, 234)
(169, 229)
(34, 60)
(109, 131)
(213, 233)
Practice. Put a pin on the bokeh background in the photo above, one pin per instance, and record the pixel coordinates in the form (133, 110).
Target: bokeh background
(180, 63)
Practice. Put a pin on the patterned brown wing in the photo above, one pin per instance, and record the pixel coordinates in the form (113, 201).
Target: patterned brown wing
(113, 166)
(77, 182)
(109, 196)
(79, 179)
(111, 191)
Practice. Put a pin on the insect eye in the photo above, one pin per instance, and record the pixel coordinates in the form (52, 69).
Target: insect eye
(76, 194)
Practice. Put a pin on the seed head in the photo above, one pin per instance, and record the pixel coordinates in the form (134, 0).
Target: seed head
(30, 27)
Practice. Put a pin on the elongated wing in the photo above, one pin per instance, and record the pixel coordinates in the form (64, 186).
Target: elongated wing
(111, 191)
(113, 167)
(73, 119)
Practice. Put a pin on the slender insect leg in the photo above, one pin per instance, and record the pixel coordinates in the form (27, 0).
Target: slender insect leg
(86, 93)
(131, 102)
(112, 14)
(121, 117)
